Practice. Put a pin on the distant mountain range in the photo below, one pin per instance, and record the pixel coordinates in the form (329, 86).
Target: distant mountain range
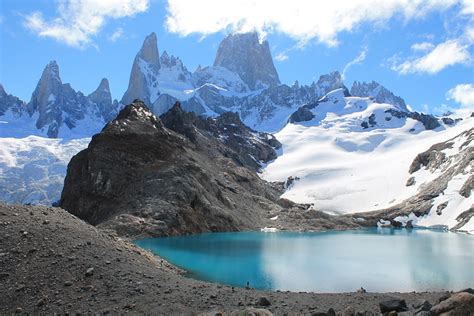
(243, 79)
(333, 149)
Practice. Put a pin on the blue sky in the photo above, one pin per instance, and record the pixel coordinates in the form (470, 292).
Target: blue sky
(421, 50)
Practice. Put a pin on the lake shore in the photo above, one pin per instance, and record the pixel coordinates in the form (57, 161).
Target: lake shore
(52, 262)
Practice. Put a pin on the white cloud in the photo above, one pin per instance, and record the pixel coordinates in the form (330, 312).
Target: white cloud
(281, 56)
(118, 33)
(360, 58)
(467, 7)
(80, 20)
(446, 54)
(303, 20)
(462, 94)
(423, 46)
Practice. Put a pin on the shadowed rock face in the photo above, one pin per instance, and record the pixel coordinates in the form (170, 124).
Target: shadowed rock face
(141, 178)
(250, 59)
(249, 147)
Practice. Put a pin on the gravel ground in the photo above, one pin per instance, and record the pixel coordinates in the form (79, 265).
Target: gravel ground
(53, 262)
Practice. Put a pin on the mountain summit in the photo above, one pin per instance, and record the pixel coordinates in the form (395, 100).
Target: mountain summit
(143, 82)
(250, 59)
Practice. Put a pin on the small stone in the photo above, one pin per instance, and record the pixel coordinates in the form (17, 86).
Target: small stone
(422, 305)
(45, 222)
(67, 283)
(331, 312)
(263, 301)
(107, 262)
(40, 302)
(19, 310)
(348, 311)
(89, 272)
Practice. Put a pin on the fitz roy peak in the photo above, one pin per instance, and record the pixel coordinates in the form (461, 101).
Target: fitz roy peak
(243, 79)
(244, 55)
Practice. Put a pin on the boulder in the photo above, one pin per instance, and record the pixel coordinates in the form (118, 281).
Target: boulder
(461, 303)
(397, 305)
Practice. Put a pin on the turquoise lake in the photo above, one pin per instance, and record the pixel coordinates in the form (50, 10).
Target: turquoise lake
(381, 260)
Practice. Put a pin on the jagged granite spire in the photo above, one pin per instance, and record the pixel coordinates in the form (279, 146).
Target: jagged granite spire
(143, 77)
(378, 92)
(250, 59)
(45, 98)
(103, 99)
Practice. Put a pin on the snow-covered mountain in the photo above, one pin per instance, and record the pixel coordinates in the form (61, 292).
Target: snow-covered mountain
(347, 154)
(56, 109)
(343, 150)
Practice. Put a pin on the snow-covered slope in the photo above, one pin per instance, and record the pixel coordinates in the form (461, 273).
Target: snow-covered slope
(353, 155)
(32, 169)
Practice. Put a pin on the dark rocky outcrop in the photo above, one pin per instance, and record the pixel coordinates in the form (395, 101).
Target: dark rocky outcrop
(429, 121)
(139, 177)
(249, 147)
(301, 115)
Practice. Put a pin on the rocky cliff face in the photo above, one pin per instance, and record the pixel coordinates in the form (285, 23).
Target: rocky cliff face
(10, 103)
(143, 83)
(244, 55)
(141, 178)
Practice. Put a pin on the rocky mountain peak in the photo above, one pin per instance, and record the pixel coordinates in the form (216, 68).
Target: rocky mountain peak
(328, 82)
(251, 59)
(149, 51)
(103, 99)
(135, 118)
(46, 93)
(143, 83)
(102, 92)
(2, 90)
(378, 92)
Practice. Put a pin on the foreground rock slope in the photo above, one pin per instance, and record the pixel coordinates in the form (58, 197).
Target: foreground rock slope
(52, 262)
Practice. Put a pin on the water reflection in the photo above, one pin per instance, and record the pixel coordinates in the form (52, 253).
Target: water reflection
(376, 259)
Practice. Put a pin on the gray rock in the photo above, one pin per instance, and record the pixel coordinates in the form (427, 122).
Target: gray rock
(263, 301)
(461, 303)
(397, 305)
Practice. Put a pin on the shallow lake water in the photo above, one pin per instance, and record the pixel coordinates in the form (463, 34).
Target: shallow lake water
(381, 260)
